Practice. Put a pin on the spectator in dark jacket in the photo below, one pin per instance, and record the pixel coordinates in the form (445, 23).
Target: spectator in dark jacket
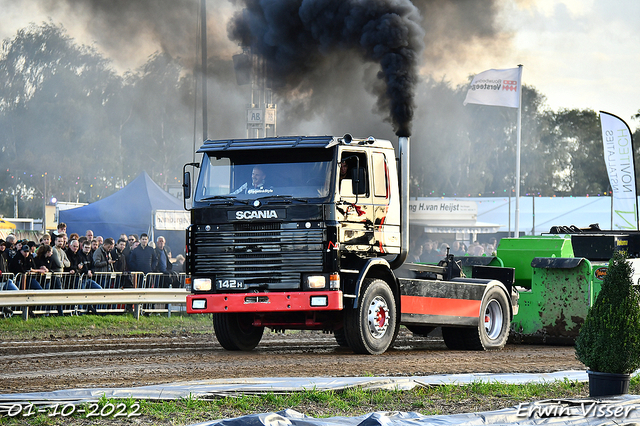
(117, 254)
(132, 242)
(78, 261)
(23, 263)
(6, 284)
(4, 264)
(44, 263)
(85, 261)
(143, 258)
(164, 265)
(73, 254)
(10, 250)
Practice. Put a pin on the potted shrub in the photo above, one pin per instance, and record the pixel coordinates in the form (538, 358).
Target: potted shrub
(609, 340)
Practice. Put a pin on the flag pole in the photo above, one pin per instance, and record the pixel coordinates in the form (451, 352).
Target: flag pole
(519, 132)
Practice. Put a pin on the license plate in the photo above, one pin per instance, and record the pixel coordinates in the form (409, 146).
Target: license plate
(230, 284)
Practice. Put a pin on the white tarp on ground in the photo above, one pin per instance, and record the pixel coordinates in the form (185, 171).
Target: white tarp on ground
(239, 386)
(557, 412)
(583, 412)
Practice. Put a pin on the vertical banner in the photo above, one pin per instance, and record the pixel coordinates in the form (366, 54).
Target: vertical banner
(618, 156)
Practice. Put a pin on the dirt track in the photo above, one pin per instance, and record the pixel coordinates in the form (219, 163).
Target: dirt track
(117, 362)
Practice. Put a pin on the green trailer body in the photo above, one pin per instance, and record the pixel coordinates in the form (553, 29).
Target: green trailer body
(519, 252)
(555, 306)
(555, 287)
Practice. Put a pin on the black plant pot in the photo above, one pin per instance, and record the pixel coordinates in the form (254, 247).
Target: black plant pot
(607, 384)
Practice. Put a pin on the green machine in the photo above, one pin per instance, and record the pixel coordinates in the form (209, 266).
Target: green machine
(557, 277)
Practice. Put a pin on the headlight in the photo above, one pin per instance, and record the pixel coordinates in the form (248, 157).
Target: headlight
(201, 284)
(319, 301)
(198, 304)
(316, 281)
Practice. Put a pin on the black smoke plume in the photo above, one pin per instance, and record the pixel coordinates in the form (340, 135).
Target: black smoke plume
(297, 37)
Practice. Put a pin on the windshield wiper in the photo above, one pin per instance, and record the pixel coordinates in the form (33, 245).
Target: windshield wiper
(228, 198)
(284, 198)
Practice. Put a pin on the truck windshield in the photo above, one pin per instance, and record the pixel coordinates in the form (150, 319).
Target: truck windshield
(249, 176)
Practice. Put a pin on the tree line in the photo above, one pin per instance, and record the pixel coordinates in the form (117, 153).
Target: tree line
(69, 121)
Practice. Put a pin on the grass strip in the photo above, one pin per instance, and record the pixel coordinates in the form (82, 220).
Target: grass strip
(15, 328)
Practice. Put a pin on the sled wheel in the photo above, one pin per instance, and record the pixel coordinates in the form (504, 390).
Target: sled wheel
(235, 332)
(372, 326)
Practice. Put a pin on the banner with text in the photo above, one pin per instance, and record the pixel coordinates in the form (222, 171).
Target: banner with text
(495, 87)
(618, 156)
(171, 220)
(437, 211)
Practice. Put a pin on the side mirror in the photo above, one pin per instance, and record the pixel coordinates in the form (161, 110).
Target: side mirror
(354, 181)
(186, 185)
(359, 181)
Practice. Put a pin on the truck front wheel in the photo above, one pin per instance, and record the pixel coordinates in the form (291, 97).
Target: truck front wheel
(236, 332)
(371, 327)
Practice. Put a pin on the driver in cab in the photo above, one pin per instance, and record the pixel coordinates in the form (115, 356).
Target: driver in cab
(258, 183)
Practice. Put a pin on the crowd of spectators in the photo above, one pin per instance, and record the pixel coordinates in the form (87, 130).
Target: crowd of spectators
(84, 256)
(425, 250)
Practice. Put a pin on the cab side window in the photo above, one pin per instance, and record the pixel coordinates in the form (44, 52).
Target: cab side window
(380, 175)
(353, 168)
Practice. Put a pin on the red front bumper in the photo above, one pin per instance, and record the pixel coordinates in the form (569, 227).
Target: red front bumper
(265, 302)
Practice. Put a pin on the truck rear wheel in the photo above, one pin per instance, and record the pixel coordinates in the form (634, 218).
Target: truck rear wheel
(493, 326)
(235, 332)
(372, 326)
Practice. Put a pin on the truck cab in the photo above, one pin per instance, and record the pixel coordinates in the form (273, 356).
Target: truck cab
(301, 233)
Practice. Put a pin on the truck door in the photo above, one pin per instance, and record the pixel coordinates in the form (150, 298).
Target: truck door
(354, 203)
(385, 206)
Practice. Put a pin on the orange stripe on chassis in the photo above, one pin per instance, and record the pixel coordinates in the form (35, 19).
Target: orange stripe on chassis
(440, 306)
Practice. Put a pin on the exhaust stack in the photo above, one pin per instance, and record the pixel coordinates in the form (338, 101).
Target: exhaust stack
(403, 153)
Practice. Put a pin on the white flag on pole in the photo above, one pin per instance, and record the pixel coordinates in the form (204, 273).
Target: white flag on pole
(495, 87)
(618, 156)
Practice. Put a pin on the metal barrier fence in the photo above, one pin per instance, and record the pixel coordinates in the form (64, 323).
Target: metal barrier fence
(6, 279)
(83, 288)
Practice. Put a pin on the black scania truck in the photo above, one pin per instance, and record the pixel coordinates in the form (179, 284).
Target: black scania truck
(312, 233)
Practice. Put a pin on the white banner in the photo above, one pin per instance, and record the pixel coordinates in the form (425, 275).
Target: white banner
(495, 87)
(172, 220)
(434, 211)
(618, 156)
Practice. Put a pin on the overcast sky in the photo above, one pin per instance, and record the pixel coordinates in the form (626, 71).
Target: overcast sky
(578, 53)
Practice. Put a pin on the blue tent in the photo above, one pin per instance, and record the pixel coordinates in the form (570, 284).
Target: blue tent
(131, 210)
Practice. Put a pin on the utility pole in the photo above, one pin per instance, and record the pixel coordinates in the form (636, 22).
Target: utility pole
(44, 204)
(203, 42)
